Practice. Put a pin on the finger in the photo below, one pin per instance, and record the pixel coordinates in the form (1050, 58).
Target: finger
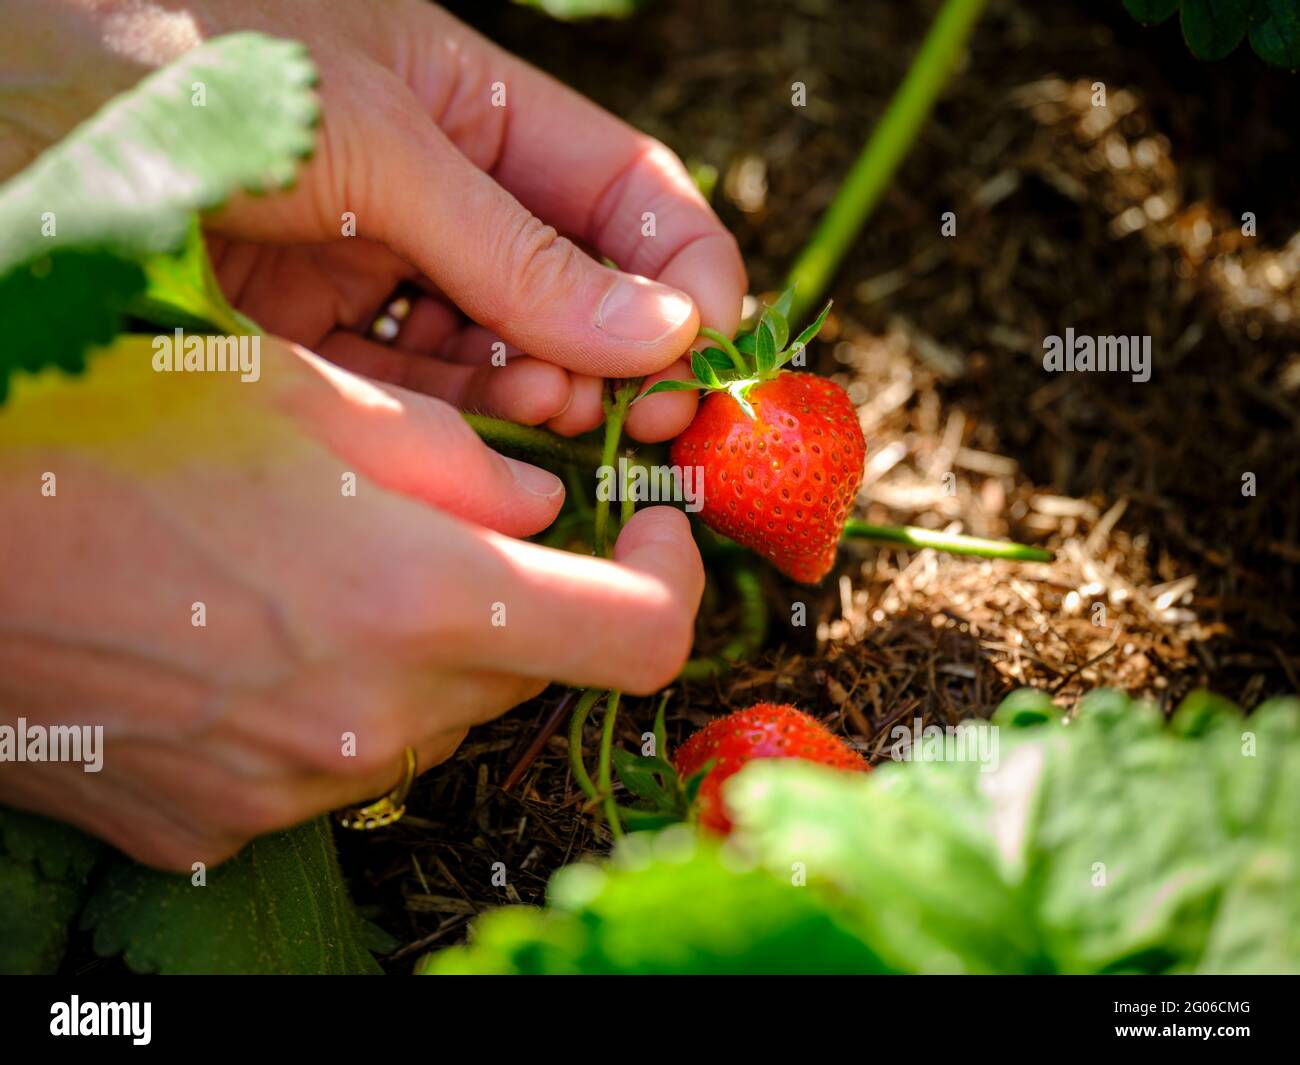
(585, 409)
(301, 727)
(510, 272)
(427, 328)
(611, 186)
(663, 416)
(422, 448)
(526, 391)
(474, 346)
(626, 624)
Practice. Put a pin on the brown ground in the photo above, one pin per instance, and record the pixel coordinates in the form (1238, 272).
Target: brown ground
(1116, 221)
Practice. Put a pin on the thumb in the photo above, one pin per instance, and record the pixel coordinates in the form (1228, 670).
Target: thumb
(514, 274)
(418, 446)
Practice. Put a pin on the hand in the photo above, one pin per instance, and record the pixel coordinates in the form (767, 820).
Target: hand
(469, 200)
(402, 614)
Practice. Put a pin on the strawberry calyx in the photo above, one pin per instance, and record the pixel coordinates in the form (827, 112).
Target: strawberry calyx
(737, 365)
(662, 797)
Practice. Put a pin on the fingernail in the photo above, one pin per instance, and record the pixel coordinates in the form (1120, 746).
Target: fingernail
(534, 480)
(642, 311)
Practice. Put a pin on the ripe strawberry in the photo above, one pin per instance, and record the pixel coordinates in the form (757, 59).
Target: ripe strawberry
(782, 453)
(765, 730)
(780, 482)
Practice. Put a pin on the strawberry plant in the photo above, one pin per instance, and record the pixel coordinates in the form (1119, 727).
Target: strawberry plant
(690, 787)
(1214, 28)
(957, 866)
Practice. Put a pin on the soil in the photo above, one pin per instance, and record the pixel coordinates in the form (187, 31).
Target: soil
(1171, 504)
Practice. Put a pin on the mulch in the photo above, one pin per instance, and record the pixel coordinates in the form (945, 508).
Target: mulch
(1114, 221)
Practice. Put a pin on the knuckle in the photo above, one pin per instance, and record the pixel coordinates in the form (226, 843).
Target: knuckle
(539, 263)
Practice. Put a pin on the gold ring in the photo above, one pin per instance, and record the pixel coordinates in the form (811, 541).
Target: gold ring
(387, 810)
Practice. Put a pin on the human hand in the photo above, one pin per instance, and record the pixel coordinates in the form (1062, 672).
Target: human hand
(402, 613)
(469, 200)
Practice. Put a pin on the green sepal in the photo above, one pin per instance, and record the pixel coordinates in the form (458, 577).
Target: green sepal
(802, 340)
(719, 360)
(766, 348)
(669, 386)
(703, 370)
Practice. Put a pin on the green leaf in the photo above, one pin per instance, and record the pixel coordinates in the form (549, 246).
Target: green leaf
(1024, 708)
(574, 10)
(719, 360)
(765, 349)
(782, 306)
(703, 370)
(1151, 12)
(1213, 28)
(57, 307)
(1275, 32)
(802, 341)
(279, 906)
(691, 787)
(909, 848)
(647, 778)
(182, 290)
(80, 229)
(667, 904)
(669, 386)
(45, 871)
(660, 732)
(746, 344)
(775, 321)
(1110, 844)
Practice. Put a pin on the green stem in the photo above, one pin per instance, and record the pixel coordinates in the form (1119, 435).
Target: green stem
(726, 344)
(615, 415)
(660, 732)
(576, 723)
(534, 445)
(952, 543)
(884, 150)
(604, 774)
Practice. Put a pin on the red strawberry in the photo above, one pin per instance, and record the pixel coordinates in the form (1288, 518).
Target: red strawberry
(780, 482)
(781, 452)
(765, 730)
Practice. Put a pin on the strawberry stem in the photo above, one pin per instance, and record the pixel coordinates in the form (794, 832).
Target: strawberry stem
(576, 723)
(728, 345)
(616, 407)
(535, 445)
(603, 773)
(884, 150)
(951, 543)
